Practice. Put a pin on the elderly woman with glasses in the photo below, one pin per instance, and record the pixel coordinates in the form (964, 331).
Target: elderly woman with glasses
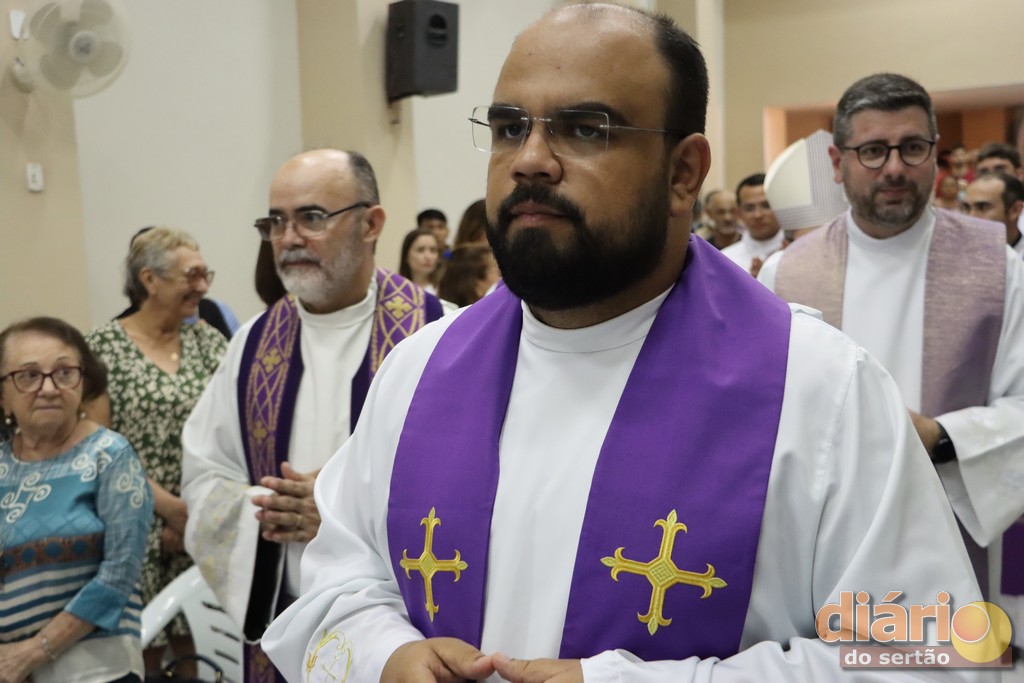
(159, 364)
(76, 510)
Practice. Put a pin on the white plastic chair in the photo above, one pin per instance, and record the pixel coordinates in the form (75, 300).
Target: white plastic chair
(213, 632)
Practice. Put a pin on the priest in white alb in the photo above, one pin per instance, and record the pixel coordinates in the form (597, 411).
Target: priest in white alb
(938, 298)
(291, 387)
(652, 468)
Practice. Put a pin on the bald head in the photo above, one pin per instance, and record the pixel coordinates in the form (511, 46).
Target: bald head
(597, 25)
(330, 167)
(324, 251)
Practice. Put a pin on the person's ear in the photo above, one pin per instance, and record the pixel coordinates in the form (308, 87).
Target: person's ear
(373, 223)
(836, 155)
(689, 163)
(148, 278)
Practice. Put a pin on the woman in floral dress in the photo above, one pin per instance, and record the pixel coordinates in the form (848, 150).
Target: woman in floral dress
(158, 366)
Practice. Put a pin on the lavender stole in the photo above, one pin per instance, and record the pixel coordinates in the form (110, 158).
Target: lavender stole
(965, 287)
(268, 385)
(715, 355)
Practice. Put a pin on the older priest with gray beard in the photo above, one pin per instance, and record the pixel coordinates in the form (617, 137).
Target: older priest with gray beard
(291, 387)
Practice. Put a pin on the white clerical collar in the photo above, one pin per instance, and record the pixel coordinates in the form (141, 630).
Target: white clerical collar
(919, 233)
(346, 317)
(773, 241)
(627, 328)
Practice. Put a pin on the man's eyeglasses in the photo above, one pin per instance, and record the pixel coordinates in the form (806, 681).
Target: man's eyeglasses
(875, 155)
(569, 132)
(27, 381)
(307, 223)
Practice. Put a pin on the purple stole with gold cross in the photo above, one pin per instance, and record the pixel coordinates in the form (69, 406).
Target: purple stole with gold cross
(691, 443)
(965, 289)
(271, 371)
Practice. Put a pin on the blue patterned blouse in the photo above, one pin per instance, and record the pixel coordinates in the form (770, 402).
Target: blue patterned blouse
(72, 537)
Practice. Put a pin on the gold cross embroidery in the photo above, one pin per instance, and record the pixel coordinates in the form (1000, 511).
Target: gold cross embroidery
(398, 306)
(272, 360)
(427, 563)
(662, 573)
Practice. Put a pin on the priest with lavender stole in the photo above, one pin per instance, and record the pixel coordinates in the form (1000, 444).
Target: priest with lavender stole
(291, 387)
(938, 298)
(653, 469)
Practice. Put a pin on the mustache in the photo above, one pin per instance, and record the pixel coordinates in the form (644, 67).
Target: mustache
(539, 194)
(296, 256)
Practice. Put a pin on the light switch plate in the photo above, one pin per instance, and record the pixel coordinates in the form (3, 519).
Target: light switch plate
(34, 177)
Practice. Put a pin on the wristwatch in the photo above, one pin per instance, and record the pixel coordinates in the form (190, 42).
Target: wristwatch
(944, 450)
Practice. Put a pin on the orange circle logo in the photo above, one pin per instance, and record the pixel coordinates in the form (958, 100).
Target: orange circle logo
(981, 632)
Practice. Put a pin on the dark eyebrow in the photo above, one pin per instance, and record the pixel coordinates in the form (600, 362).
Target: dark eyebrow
(614, 115)
(305, 207)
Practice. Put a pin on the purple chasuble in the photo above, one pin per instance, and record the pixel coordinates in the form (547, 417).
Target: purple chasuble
(692, 438)
(268, 384)
(965, 289)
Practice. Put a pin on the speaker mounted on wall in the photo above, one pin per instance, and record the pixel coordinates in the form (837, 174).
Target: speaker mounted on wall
(421, 48)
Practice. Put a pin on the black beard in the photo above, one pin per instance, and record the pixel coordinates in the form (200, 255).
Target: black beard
(596, 265)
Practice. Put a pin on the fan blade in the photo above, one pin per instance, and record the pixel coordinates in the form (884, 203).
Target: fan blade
(59, 72)
(95, 13)
(45, 22)
(107, 60)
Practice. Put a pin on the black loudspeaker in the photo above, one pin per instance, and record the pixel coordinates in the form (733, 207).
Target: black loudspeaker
(422, 48)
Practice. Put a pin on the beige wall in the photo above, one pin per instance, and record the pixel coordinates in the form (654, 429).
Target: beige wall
(42, 263)
(189, 135)
(344, 104)
(806, 52)
(217, 95)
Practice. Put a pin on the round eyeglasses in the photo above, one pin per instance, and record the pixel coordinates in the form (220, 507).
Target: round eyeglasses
(307, 222)
(875, 154)
(569, 132)
(27, 381)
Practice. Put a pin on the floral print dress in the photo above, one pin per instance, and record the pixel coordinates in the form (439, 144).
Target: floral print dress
(149, 407)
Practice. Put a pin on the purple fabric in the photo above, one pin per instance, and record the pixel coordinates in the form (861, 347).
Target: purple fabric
(271, 371)
(715, 356)
(1013, 559)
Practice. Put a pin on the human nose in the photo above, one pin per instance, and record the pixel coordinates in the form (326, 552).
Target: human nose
(53, 384)
(535, 160)
(894, 164)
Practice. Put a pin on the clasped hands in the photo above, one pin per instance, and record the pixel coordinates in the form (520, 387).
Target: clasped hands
(450, 660)
(289, 515)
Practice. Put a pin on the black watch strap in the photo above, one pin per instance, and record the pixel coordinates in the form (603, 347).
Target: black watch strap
(944, 450)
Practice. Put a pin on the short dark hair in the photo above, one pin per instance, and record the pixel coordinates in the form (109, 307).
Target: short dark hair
(430, 215)
(883, 92)
(94, 372)
(1013, 188)
(366, 179)
(755, 180)
(686, 112)
(999, 150)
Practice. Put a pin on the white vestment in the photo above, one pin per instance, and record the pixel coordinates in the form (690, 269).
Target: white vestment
(215, 474)
(853, 503)
(747, 249)
(883, 310)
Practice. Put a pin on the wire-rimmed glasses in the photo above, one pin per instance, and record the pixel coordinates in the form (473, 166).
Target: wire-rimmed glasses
(307, 222)
(499, 129)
